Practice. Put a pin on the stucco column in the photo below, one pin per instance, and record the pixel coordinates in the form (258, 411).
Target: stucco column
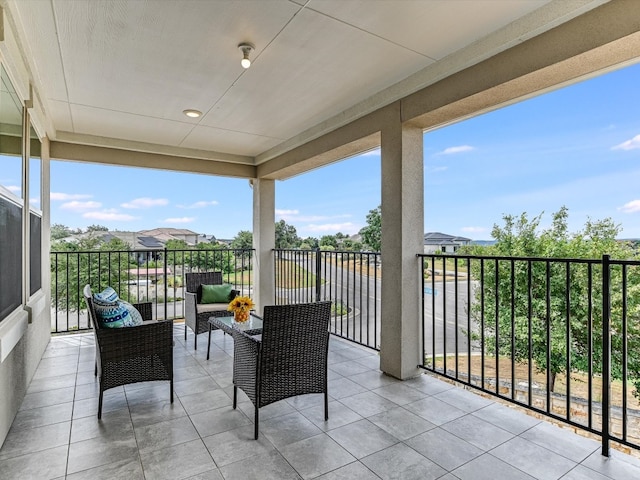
(264, 241)
(402, 239)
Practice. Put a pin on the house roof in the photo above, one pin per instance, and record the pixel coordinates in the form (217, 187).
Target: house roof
(116, 80)
(168, 231)
(143, 240)
(149, 242)
(437, 238)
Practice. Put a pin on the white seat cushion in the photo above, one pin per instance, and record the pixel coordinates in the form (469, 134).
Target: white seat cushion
(213, 307)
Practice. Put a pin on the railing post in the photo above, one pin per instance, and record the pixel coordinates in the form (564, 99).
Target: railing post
(166, 285)
(318, 274)
(606, 353)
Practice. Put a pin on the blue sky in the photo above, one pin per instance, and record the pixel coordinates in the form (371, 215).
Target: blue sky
(578, 146)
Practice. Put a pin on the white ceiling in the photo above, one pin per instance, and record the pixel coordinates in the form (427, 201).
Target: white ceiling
(120, 72)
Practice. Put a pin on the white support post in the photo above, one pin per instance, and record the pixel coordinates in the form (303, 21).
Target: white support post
(402, 239)
(264, 241)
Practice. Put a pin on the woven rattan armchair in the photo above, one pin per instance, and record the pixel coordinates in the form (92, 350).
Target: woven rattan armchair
(143, 353)
(289, 358)
(196, 315)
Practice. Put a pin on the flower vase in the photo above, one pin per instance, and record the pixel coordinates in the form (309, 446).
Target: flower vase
(241, 315)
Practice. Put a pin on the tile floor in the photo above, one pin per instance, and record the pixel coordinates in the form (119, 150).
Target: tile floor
(378, 427)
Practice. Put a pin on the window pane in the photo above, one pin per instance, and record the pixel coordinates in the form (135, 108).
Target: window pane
(35, 215)
(35, 277)
(11, 206)
(10, 257)
(10, 137)
(35, 184)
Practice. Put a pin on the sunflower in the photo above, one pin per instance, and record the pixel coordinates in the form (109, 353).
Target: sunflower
(240, 304)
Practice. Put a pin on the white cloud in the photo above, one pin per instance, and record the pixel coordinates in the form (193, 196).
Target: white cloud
(458, 149)
(371, 153)
(347, 228)
(474, 229)
(69, 196)
(630, 207)
(294, 216)
(629, 144)
(78, 206)
(282, 213)
(13, 188)
(145, 202)
(436, 169)
(109, 215)
(200, 204)
(179, 220)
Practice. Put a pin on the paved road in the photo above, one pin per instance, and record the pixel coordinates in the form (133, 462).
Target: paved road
(361, 293)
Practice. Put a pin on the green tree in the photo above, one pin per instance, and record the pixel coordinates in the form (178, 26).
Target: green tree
(208, 257)
(59, 231)
(176, 244)
(177, 251)
(97, 228)
(310, 243)
(243, 240)
(328, 241)
(350, 245)
(542, 295)
(89, 261)
(115, 243)
(372, 233)
(286, 235)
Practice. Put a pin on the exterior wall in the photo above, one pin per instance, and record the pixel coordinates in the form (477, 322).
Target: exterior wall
(17, 370)
(431, 248)
(33, 323)
(25, 333)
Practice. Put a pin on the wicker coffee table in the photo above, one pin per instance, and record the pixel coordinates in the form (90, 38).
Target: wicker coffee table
(253, 326)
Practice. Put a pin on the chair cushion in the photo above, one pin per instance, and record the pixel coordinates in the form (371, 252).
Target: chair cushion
(135, 317)
(213, 307)
(216, 293)
(111, 314)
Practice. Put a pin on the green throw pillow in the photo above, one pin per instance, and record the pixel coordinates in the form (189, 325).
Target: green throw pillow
(216, 293)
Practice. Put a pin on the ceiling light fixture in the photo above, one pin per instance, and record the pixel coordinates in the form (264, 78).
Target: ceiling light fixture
(246, 49)
(192, 113)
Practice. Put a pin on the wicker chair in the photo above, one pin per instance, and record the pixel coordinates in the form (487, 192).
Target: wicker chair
(132, 354)
(196, 315)
(288, 359)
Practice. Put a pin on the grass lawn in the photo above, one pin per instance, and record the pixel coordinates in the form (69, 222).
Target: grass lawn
(288, 275)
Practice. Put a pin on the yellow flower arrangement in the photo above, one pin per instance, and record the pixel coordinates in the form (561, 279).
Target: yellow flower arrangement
(241, 306)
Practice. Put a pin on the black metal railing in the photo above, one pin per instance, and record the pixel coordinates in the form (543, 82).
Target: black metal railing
(350, 280)
(155, 276)
(558, 336)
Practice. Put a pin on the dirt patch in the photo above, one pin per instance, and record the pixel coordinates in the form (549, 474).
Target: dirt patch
(578, 383)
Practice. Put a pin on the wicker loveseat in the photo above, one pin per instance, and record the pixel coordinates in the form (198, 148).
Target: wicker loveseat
(128, 355)
(289, 358)
(196, 314)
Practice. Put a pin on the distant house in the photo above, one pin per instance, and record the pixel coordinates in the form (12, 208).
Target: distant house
(441, 242)
(146, 276)
(166, 234)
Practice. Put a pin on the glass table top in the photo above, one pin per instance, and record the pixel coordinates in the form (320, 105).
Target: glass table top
(224, 323)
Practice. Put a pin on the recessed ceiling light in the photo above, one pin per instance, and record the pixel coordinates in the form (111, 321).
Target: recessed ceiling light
(192, 113)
